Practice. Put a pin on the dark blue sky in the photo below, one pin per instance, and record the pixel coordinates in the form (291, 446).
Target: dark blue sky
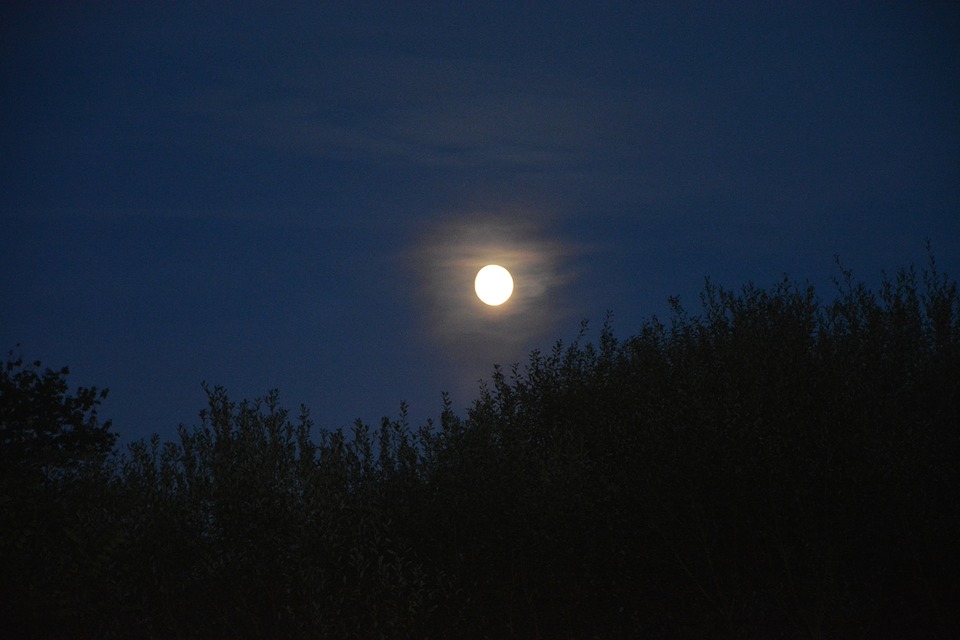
(299, 197)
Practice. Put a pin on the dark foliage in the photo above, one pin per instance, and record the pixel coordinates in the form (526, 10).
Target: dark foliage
(772, 467)
(53, 476)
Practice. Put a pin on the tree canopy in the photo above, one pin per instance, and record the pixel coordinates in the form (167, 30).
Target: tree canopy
(771, 466)
(42, 427)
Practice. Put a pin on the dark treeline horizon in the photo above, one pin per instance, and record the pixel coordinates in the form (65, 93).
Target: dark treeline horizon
(774, 465)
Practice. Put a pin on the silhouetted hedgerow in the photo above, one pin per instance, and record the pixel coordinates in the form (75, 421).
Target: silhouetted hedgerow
(774, 466)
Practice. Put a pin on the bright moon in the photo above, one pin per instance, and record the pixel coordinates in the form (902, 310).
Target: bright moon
(493, 284)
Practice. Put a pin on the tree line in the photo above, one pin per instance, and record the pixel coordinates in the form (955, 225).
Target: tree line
(772, 466)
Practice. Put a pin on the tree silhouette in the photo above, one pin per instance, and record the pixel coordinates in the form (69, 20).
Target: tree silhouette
(47, 433)
(53, 474)
(773, 466)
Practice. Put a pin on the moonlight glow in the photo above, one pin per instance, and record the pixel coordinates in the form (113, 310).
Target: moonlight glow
(493, 285)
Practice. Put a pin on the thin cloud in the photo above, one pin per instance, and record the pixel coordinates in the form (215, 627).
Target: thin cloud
(445, 261)
(427, 112)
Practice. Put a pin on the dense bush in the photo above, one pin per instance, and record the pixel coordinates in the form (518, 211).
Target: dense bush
(773, 466)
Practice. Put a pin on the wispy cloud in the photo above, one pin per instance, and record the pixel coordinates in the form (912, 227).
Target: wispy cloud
(446, 260)
(423, 111)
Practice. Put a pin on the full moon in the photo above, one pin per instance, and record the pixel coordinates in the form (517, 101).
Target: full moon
(493, 284)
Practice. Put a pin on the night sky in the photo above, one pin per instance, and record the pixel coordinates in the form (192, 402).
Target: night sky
(299, 197)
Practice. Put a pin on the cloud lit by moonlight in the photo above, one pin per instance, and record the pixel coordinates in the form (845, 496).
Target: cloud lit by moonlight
(477, 335)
